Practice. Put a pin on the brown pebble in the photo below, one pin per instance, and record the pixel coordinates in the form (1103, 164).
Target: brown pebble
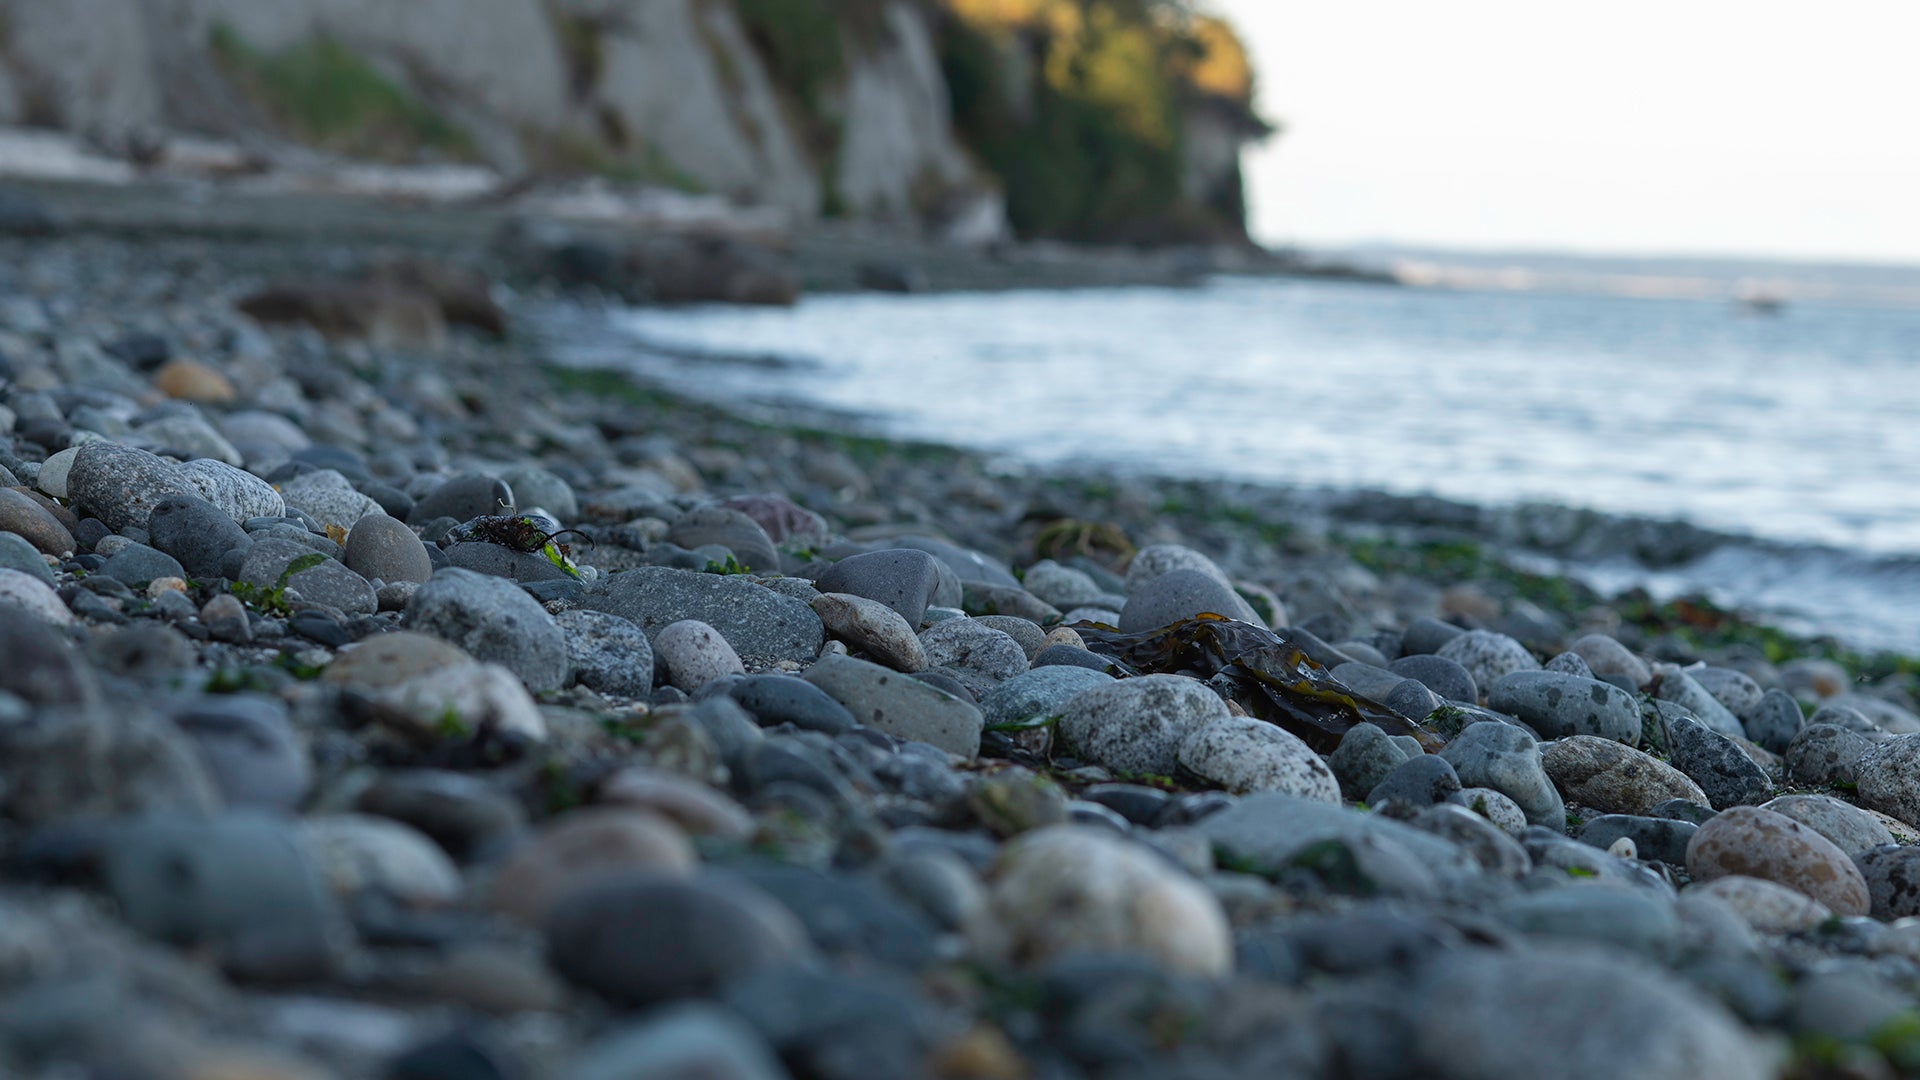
(21, 513)
(190, 380)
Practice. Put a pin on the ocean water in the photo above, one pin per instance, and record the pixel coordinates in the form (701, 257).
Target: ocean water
(1800, 431)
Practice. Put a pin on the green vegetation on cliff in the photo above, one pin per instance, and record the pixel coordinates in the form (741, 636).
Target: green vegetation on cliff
(330, 97)
(1083, 109)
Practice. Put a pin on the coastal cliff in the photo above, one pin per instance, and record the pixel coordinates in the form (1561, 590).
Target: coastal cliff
(1081, 119)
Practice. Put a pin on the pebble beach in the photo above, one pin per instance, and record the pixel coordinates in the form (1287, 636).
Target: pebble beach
(400, 701)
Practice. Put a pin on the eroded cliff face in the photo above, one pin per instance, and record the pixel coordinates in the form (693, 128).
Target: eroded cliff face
(667, 90)
(815, 108)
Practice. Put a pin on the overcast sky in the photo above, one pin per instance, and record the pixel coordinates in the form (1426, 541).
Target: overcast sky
(1679, 126)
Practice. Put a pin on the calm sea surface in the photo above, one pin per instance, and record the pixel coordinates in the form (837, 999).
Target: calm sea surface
(1801, 429)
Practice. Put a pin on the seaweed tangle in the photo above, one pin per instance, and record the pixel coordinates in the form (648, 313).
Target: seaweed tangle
(1262, 670)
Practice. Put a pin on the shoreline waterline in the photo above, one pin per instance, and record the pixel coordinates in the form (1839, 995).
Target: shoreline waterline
(1866, 599)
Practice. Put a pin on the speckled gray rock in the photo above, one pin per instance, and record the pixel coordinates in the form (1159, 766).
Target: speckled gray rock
(1654, 1027)
(980, 656)
(1507, 759)
(1365, 756)
(1499, 810)
(1775, 721)
(1893, 880)
(1558, 705)
(609, 654)
(694, 654)
(1679, 688)
(325, 582)
(1181, 594)
(1044, 691)
(1735, 690)
(1889, 778)
(1137, 725)
(137, 564)
(121, 485)
(1025, 632)
(899, 705)
(1722, 769)
(463, 498)
(871, 627)
(904, 579)
(494, 621)
(1489, 842)
(1766, 907)
(1612, 662)
(1760, 843)
(1243, 755)
(763, 626)
(1487, 656)
(1613, 778)
(1122, 896)
(1156, 560)
(382, 547)
(1653, 838)
(1825, 754)
(1570, 663)
(197, 533)
(330, 497)
(1852, 829)
(238, 493)
(1442, 676)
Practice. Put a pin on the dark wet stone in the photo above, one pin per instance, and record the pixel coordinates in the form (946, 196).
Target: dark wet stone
(249, 750)
(1414, 785)
(698, 936)
(1664, 839)
(731, 529)
(240, 887)
(463, 498)
(197, 533)
(1073, 656)
(904, 579)
(849, 917)
(785, 699)
(137, 564)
